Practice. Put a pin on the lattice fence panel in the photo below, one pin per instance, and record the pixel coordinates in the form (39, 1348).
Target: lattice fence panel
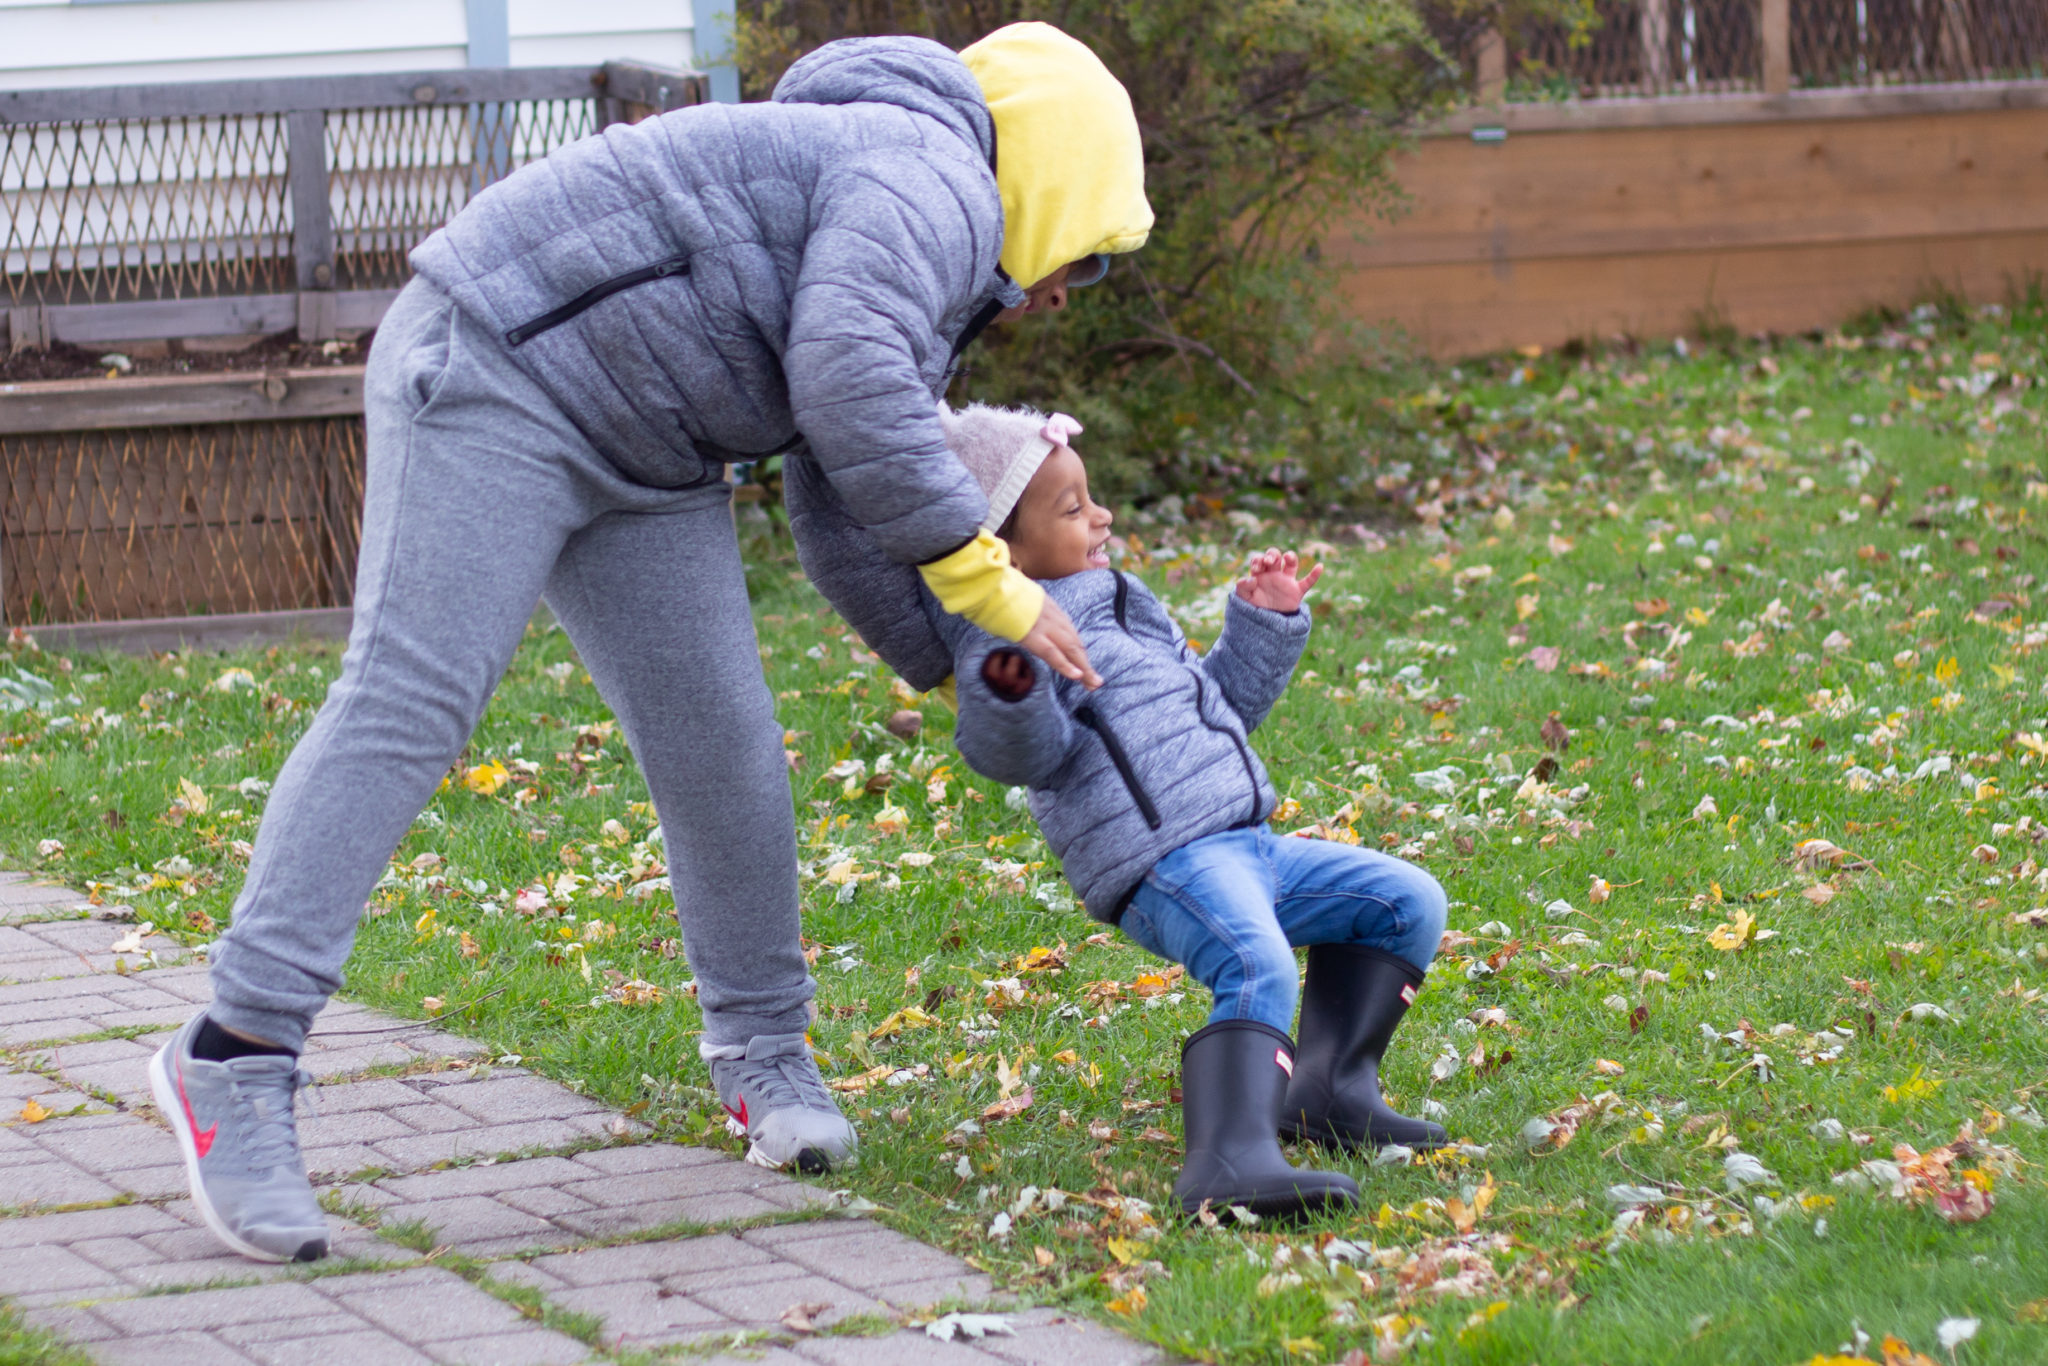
(145, 208)
(395, 175)
(1666, 47)
(1912, 42)
(1638, 48)
(170, 521)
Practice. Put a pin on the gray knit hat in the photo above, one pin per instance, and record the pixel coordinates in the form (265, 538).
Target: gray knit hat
(1003, 447)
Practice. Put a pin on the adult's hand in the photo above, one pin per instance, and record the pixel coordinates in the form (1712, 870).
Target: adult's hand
(1054, 640)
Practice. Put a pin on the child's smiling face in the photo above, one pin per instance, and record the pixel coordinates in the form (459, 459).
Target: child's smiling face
(1058, 529)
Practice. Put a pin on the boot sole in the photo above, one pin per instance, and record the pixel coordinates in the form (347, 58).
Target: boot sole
(165, 1093)
(1344, 1143)
(1276, 1204)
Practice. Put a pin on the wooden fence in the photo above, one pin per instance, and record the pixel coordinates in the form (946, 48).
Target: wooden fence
(1832, 165)
(196, 502)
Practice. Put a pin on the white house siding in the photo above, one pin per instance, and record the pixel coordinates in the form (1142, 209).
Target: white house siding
(45, 44)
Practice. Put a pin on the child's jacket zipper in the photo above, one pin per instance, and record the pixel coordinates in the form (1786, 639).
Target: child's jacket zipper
(596, 294)
(1089, 717)
(1120, 606)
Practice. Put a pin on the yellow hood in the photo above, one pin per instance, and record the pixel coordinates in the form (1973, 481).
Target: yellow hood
(1069, 161)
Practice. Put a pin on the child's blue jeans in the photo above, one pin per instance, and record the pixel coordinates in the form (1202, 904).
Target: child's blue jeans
(1233, 906)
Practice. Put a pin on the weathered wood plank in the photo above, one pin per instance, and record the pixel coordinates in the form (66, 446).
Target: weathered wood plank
(145, 319)
(73, 405)
(232, 315)
(1633, 190)
(284, 94)
(1684, 111)
(312, 215)
(1468, 307)
(359, 310)
(653, 86)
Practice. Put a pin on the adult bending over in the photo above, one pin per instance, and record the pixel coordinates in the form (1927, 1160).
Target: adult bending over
(550, 405)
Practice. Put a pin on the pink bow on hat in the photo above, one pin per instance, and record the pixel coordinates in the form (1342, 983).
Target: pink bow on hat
(1060, 428)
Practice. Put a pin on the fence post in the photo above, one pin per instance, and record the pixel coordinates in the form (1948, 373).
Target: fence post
(1492, 55)
(1655, 35)
(1776, 32)
(312, 222)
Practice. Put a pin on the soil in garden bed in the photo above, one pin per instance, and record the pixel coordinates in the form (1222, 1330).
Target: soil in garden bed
(280, 351)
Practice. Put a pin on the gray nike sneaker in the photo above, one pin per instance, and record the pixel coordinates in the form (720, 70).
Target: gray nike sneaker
(773, 1094)
(234, 1124)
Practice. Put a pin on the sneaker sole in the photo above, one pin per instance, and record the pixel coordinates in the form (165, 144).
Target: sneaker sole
(809, 1161)
(173, 1112)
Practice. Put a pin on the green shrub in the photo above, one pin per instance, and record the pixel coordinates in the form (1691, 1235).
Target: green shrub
(1264, 121)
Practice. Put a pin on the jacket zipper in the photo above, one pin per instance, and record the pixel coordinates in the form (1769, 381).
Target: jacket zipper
(1089, 717)
(1242, 753)
(1120, 606)
(555, 317)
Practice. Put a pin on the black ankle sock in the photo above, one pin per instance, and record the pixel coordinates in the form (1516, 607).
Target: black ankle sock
(217, 1045)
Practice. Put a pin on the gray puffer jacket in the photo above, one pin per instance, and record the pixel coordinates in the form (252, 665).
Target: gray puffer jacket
(725, 282)
(1155, 758)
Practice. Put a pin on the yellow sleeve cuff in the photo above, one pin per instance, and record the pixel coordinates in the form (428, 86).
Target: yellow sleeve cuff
(978, 582)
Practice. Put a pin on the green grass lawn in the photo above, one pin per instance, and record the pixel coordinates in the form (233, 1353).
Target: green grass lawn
(1760, 908)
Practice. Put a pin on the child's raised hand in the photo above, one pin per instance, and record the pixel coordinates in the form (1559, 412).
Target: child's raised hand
(1269, 581)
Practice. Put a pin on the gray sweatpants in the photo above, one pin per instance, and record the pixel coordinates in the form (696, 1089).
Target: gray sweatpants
(481, 500)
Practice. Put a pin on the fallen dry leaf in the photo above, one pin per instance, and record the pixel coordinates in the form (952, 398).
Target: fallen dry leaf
(1011, 1108)
(34, 1113)
(1729, 937)
(798, 1318)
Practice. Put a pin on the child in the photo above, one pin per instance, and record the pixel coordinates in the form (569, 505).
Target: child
(1150, 794)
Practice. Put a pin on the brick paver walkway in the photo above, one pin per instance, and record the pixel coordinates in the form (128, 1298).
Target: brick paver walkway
(482, 1214)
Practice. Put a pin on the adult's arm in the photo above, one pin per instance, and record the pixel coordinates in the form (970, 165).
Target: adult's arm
(892, 249)
(892, 252)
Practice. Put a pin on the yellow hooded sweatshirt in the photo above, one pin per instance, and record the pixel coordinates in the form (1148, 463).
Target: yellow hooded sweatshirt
(1071, 170)
(1069, 162)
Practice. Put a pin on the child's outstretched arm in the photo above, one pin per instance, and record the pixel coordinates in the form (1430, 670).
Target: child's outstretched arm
(1265, 628)
(1013, 727)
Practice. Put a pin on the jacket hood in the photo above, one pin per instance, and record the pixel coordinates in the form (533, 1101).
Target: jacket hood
(913, 73)
(1070, 163)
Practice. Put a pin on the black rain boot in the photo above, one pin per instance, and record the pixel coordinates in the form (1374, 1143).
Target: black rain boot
(1232, 1076)
(1353, 1002)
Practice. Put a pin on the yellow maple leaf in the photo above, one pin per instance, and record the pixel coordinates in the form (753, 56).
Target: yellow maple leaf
(891, 819)
(195, 800)
(1914, 1087)
(1731, 936)
(485, 779)
(1302, 1347)
(1126, 1250)
(34, 1113)
(1131, 1303)
(1526, 604)
(910, 1017)
(1947, 670)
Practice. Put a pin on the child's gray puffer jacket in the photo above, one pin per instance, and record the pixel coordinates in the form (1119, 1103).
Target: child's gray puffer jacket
(1156, 757)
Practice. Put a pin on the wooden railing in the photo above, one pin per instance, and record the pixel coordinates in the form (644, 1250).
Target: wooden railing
(223, 207)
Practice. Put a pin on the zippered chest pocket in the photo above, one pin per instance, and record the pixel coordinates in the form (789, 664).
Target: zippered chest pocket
(1091, 718)
(596, 294)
